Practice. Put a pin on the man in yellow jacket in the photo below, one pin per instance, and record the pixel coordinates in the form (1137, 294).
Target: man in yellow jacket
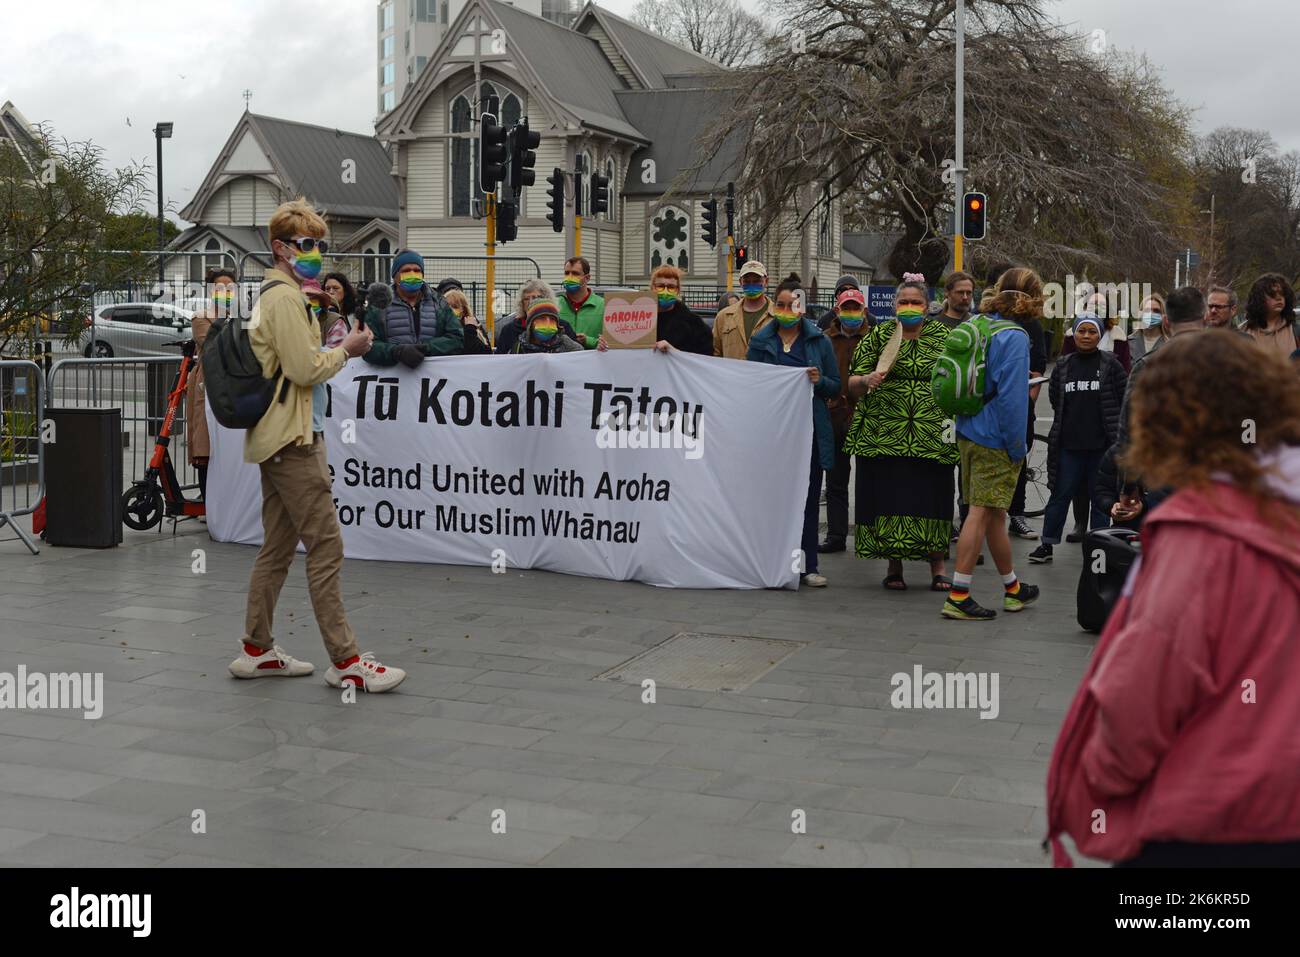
(734, 325)
(288, 445)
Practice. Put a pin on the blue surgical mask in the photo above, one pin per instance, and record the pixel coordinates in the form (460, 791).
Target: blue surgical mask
(1151, 319)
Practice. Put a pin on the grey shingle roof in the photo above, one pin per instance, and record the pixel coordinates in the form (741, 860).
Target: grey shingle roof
(571, 66)
(652, 55)
(15, 132)
(873, 249)
(674, 120)
(312, 157)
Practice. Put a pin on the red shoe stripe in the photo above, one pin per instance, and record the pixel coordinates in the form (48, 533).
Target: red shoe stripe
(271, 665)
(354, 681)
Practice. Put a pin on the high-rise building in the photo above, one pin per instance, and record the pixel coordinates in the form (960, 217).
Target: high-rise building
(410, 30)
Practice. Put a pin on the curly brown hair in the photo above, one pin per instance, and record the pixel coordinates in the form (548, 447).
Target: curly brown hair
(1184, 431)
(1019, 295)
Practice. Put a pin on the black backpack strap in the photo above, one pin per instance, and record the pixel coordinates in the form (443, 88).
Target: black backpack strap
(284, 385)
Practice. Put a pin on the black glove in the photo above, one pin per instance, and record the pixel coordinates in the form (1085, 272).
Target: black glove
(409, 356)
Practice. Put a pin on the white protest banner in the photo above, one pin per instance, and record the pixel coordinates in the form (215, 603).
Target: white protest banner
(672, 469)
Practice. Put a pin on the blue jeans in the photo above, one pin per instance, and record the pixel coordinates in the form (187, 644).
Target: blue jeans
(1075, 472)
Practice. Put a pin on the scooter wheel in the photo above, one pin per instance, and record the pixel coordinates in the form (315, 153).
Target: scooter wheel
(142, 506)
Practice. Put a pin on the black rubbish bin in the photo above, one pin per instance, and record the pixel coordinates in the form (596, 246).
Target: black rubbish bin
(83, 478)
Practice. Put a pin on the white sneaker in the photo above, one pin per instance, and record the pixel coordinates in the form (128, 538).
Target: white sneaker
(367, 673)
(275, 663)
(813, 580)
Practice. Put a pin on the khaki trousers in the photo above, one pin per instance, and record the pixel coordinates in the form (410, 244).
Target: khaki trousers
(297, 505)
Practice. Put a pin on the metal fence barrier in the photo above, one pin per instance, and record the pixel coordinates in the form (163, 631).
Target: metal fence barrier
(22, 454)
(139, 387)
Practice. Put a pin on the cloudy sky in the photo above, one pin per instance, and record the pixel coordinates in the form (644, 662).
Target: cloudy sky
(107, 70)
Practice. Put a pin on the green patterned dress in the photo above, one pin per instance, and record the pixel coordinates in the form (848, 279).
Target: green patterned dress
(905, 448)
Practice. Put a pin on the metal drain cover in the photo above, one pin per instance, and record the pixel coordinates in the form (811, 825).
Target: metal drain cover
(699, 662)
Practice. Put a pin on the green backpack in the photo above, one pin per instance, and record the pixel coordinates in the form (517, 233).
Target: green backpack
(958, 378)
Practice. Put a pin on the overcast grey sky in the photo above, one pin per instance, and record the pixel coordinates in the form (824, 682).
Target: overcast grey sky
(107, 70)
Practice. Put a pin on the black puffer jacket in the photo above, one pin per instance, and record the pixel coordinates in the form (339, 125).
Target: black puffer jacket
(1112, 399)
(685, 330)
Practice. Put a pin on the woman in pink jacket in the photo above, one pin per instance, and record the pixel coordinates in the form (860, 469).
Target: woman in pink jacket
(1182, 746)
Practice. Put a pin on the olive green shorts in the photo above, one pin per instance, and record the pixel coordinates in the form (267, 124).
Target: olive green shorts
(988, 476)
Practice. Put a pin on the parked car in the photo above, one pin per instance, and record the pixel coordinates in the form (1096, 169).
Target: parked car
(128, 329)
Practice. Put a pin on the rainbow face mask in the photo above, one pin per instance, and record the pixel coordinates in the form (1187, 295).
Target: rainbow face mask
(786, 319)
(544, 330)
(413, 282)
(223, 300)
(910, 316)
(851, 321)
(752, 290)
(572, 283)
(666, 298)
(307, 265)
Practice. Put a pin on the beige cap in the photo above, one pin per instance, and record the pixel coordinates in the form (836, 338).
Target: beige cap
(753, 268)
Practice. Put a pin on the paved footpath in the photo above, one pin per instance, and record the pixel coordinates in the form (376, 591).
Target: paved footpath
(501, 714)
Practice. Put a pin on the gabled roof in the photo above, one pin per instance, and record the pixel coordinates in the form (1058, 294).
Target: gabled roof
(357, 236)
(650, 57)
(246, 239)
(16, 131)
(308, 160)
(567, 68)
(571, 66)
(674, 121)
(873, 249)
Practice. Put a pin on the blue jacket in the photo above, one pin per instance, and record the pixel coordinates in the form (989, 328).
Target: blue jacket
(764, 346)
(1002, 422)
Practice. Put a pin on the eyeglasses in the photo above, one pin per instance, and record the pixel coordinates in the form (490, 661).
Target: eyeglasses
(307, 243)
(1215, 307)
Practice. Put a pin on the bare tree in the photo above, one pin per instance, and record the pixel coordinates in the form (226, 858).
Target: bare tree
(1256, 195)
(719, 29)
(1083, 153)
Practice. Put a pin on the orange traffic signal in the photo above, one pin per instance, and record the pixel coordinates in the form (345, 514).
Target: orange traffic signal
(974, 221)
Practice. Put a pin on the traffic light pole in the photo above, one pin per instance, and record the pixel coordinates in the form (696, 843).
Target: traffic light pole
(959, 173)
(731, 260)
(577, 235)
(491, 200)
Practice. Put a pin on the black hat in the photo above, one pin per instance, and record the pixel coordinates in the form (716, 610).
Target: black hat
(449, 283)
(845, 282)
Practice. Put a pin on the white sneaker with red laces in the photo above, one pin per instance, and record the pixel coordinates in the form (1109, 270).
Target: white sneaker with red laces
(276, 663)
(366, 673)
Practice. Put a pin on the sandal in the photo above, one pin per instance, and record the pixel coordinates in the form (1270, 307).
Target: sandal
(894, 583)
(940, 583)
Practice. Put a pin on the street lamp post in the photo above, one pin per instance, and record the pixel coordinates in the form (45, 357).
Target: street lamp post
(163, 131)
(1211, 212)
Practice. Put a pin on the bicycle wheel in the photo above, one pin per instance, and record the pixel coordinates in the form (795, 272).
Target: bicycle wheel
(1036, 491)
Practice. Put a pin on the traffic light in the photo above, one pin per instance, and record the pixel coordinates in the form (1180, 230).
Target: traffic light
(742, 255)
(555, 205)
(974, 218)
(523, 142)
(599, 193)
(710, 229)
(507, 229)
(491, 153)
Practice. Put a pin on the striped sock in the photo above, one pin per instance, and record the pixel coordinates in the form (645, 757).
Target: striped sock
(1011, 583)
(960, 590)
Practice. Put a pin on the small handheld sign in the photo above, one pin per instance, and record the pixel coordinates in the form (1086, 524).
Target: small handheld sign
(631, 320)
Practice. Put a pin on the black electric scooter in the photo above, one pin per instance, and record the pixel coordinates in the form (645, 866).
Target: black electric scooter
(159, 494)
